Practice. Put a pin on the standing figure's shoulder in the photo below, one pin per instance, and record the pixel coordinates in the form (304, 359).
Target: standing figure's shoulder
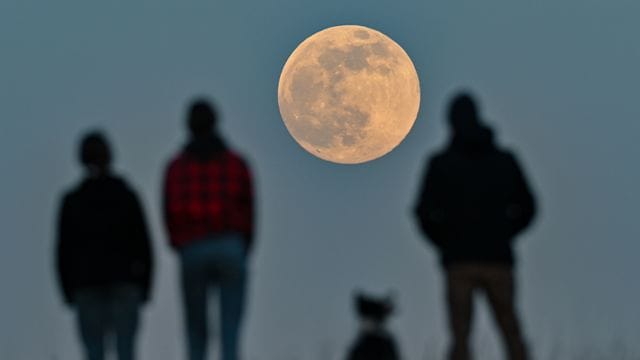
(69, 195)
(237, 159)
(438, 159)
(508, 155)
(126, 187)
(176, 161)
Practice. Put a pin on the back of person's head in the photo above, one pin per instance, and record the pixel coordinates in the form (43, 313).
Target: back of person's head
(463, 112)
(202, 118)
(95, 152)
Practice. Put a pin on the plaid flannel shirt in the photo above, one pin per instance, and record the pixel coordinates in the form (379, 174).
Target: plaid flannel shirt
(208, 197)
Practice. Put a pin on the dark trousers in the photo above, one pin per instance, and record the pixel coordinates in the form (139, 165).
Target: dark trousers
(496, 282)
(105, 313)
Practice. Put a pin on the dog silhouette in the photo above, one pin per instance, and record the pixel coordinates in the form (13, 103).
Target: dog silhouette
(373, 342)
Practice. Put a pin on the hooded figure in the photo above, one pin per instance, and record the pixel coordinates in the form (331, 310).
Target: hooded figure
(473, 202)
(474, 198)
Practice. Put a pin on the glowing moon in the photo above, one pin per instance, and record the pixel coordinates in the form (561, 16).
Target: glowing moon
(349, 94)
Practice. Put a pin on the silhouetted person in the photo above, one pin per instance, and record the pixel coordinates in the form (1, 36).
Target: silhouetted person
(103, 254)
(374, 341)
(474, 201)
(208, 202)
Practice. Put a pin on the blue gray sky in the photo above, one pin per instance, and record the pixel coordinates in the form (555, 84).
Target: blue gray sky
(559, 80)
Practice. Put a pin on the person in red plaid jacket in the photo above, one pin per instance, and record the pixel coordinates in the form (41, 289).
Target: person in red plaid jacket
(208, 207)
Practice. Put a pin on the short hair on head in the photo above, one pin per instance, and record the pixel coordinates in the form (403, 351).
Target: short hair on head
(95, 150)
(202, 117)
(463, 111)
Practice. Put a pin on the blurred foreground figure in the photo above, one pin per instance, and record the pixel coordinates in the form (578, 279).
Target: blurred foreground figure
(208, 202)
(474, 201)
(374, 341)
(103, 254)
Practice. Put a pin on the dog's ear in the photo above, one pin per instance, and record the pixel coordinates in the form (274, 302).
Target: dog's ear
(391, 299)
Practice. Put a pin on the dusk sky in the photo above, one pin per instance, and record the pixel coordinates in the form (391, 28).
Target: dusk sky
(558, 80)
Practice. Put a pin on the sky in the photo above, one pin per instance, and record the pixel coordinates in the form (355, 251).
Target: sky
(558, 80)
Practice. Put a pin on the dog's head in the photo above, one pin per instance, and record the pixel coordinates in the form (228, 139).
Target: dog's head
(376, 309)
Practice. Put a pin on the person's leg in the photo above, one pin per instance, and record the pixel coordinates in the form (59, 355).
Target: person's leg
(232, 301)
(499, 285)
(125, 306)
(194, 295)
(460, 285)
(232, 281)
(91, 314)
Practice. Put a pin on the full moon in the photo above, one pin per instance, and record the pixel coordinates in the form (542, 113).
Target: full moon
(349, 94)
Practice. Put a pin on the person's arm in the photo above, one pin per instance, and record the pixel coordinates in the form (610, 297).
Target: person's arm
(429, 209)
(168, 199)
(143, 263)
(521, 209)
(247, 202)
(64, 246)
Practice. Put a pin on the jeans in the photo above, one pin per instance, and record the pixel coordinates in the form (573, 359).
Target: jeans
(496, 281)
(105, 312)
(215, 262)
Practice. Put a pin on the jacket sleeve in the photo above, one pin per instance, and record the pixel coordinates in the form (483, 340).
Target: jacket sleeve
(64, 246)
(429, 209)
(247, 202)
(143, 261)
(522, 207)
(167, 202)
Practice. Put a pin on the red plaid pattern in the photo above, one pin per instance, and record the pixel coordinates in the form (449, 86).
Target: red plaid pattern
(208, 197)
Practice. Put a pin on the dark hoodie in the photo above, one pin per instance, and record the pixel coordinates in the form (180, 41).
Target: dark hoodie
(102, 238)
(474, 200)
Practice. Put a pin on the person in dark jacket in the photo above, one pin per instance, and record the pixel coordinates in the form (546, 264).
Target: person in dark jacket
(209, 212)
(473, 202)
(104, 257)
